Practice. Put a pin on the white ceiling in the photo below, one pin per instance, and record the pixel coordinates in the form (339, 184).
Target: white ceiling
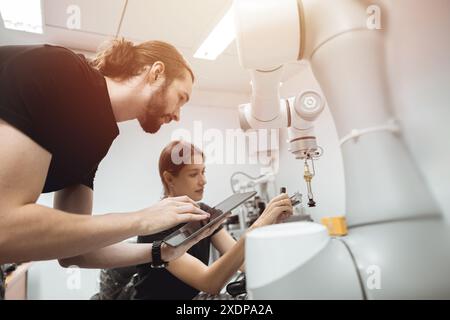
(183, 23)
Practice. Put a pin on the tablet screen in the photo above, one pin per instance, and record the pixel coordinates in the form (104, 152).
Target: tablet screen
(191, 229)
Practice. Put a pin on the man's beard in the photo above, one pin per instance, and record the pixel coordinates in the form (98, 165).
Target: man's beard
(151, 121)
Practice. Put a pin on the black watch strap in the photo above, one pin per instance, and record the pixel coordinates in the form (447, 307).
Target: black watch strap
(157, 261)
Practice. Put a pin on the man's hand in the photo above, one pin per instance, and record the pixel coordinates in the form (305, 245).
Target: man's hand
(169, 213)
(171, 253)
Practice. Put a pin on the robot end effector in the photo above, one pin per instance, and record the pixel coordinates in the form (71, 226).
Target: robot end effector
(266, 40)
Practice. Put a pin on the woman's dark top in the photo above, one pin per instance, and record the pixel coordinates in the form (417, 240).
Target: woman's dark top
(160, 284)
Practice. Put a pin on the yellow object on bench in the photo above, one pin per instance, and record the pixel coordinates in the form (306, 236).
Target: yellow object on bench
(337, 226)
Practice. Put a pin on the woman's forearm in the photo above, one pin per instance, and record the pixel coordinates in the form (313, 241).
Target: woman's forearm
(205, 278)
(34, 232)
(114, 256)
(212, 279)
(226, 266)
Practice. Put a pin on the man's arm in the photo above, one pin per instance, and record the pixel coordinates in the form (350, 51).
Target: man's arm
(79, 199)
(33, 232)
(30, 232)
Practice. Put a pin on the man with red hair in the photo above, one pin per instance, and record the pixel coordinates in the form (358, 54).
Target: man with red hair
(58, 119)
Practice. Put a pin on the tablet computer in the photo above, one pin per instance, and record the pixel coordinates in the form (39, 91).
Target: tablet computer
(192, 229)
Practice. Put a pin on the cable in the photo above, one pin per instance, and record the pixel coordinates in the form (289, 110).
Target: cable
(244, 174)
(247, 175)
(391, 126)
(121, 18)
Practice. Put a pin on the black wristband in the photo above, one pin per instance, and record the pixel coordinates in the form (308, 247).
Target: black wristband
(157, 261)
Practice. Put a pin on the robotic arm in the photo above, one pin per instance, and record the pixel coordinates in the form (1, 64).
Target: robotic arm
(382, 181)
(256, 38)
(347, 59)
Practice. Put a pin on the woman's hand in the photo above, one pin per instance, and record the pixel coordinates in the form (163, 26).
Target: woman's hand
(278, 209)
(168, 213)
(169, 253)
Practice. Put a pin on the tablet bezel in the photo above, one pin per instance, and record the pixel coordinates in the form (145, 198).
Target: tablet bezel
(246, 196)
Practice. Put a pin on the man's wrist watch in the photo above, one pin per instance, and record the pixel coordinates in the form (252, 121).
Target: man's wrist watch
(157, 261)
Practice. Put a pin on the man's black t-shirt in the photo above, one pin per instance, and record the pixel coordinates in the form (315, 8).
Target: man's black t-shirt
(57, 99)
(160, 284)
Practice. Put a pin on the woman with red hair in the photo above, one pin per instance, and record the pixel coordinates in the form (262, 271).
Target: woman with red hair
(182, 172)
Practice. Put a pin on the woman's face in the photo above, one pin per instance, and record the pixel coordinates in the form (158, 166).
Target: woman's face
(190, 182)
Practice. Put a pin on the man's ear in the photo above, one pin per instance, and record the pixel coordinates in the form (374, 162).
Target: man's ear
(168, 177)
(157, 70)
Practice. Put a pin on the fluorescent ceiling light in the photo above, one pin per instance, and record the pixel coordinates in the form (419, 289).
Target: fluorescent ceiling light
(219, 39)
(23, 15)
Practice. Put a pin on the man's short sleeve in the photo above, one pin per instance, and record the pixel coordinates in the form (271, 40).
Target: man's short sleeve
(88, 180)
(13, 108)
(15, 119)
